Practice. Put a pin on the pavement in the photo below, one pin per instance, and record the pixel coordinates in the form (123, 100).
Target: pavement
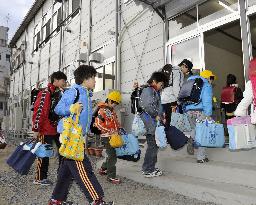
(229, 178)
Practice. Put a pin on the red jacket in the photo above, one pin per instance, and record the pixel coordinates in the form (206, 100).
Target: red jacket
(42, 123)
(110, 122)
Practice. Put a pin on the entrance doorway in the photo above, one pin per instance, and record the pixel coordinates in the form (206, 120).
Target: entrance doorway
(223, 55)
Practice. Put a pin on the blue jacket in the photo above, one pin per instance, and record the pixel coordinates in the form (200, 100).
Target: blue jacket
(206, 98)
(67, 99)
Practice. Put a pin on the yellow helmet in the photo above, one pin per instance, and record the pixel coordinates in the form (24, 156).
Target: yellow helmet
(207, 74)
(115, 96)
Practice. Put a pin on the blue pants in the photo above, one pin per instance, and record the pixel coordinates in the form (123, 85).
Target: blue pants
(83, 174)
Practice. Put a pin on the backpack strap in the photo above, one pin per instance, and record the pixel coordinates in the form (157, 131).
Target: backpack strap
(77, 96)
(40, 108)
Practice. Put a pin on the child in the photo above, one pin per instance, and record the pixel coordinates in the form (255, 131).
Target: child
(150, 102)
(199, 111)
(81, 171)
(107, 122)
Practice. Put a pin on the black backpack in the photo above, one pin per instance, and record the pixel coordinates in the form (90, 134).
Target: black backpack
(190, 92)
(135, 98)
(95, 114)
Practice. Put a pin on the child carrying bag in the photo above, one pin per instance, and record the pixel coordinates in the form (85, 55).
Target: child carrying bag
(72, 140)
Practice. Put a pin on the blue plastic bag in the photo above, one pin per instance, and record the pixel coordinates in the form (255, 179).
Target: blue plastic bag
(44, 150)
(209, 134)
(160, 136)
(130, 147)
(138, 127)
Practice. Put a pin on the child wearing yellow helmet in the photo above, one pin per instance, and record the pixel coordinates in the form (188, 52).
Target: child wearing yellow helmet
(107, 122)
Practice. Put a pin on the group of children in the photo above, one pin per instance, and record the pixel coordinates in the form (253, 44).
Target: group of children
(153, 110)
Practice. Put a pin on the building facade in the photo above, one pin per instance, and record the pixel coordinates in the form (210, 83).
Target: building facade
(126, 40)
(4, 72)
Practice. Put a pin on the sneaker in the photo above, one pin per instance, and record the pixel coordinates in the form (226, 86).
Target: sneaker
(190, 147)
(156, 169)
(102, 203)
(155, 173)
(203, 160)
(56, 202)
(114, 180)
(43, 182)
(102, 171)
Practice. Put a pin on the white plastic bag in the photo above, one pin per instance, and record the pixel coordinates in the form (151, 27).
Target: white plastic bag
(253, 117)
(138, 127)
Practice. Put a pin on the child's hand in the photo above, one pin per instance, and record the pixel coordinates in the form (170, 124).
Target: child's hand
(76, 108)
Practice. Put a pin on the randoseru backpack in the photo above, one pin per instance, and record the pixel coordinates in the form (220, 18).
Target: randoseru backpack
(228, 94)
(135, 98)
(190, 91)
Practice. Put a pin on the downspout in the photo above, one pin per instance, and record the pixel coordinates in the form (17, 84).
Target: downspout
(117, 66)
(90, 31)
(166, 34)
(80, 30)
(61, 31)
(120, 41)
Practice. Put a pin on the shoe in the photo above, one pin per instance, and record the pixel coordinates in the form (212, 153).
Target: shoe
(156, 169)
(155, 173)
(43, 182)
(114, 180)
(203, 160)
(56, 202)
(190, 147)
(102, 203)
(102, 171)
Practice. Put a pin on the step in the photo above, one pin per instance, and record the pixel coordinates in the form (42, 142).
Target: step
(237, 174)
(220, 154)
(203, 189)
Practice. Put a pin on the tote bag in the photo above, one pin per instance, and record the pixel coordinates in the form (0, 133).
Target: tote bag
(181, 122)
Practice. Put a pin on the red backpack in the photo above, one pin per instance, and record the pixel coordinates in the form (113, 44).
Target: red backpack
(228, 94)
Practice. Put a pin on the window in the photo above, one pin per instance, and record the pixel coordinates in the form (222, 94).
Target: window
(3, 43)
(1, 105)
(8, 57)
(36, 39)
(71, 7)
(47, 30)
(75, 5)
(105, 78)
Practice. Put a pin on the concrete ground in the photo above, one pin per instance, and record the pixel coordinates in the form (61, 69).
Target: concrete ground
(19, 190)
(229, 178)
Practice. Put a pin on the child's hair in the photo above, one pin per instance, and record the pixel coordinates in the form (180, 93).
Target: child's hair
(158, 77)
(231, 79)
(84, 72)
(58, 76)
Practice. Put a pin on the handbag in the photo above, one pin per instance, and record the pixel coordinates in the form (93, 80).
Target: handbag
(175, 138)
(181, 122)
(72, 140)
(138, 127)
(209, 134)
(130, 146)
(242, 136)
(160, 136)
(22, 160)
(116, 141)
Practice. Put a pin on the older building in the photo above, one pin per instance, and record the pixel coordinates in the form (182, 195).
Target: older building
(4, 71)
(126, 40)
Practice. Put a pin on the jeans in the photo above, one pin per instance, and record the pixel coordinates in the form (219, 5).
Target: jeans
(151, 154)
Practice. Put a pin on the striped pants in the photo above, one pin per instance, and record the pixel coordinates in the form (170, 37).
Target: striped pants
(83, 174)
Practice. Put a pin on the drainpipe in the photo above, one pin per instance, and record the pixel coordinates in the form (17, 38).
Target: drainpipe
(90, 31)
(120, 41)
(117, 66)
(61, 32)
